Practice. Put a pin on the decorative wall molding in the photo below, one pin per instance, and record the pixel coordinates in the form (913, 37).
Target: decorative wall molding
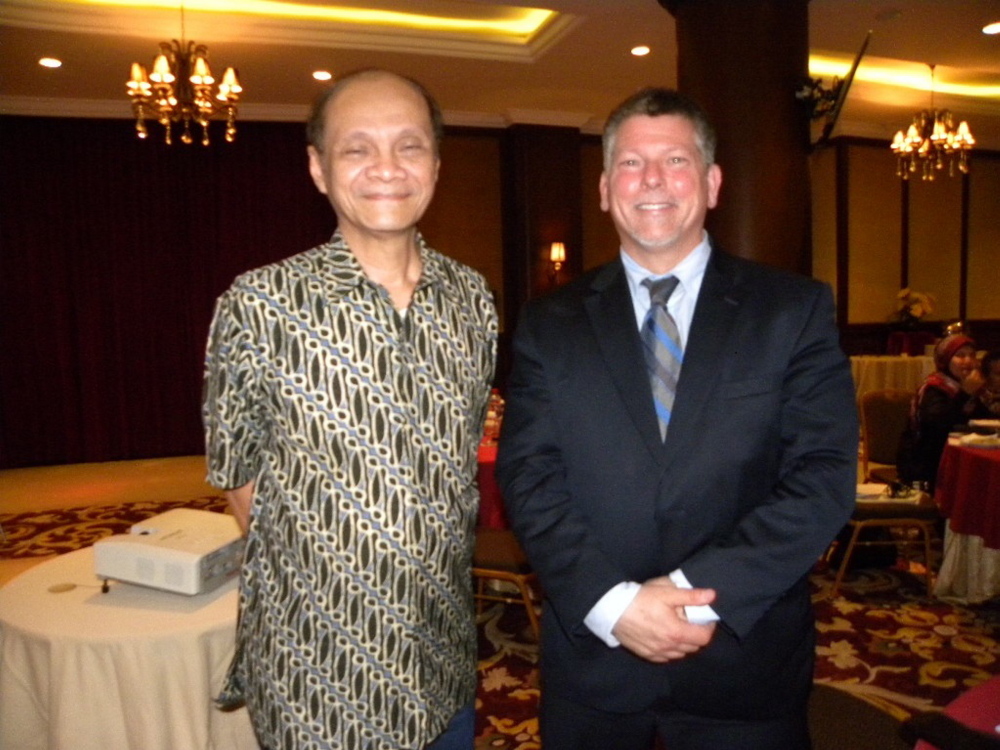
(41, 106)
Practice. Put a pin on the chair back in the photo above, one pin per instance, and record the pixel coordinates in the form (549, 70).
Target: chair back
(884, 418)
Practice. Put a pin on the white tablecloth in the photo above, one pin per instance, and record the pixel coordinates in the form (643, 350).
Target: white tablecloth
(875, 373)
(970, 571)
(132, 669)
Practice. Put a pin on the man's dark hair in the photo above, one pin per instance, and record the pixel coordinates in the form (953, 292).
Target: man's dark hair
(316, 124)
(654, 102)
(989, 359)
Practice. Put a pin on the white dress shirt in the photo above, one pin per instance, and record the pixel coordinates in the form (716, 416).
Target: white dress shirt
(689, 272)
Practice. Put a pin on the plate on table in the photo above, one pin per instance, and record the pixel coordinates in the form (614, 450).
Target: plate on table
(872, 491)
(990, 424)
(980, 441)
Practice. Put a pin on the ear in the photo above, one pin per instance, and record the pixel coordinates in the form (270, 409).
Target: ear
(714, 183)
(602, 186)
(316, 169)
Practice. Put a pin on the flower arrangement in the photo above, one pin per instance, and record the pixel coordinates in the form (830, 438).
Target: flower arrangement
(911, 305)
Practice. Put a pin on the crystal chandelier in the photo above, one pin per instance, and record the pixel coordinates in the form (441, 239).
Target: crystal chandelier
(179, 90)
(931, 140)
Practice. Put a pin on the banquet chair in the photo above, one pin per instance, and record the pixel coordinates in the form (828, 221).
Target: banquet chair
(884, 415)
(921, 517)
(498, 557)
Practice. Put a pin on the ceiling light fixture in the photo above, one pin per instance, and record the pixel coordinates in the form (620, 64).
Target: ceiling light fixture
(640, 51)
(50, 62)
(179, 90)
(931, 140)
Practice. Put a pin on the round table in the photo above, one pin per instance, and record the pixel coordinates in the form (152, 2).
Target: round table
(133, 668)
(968, 493)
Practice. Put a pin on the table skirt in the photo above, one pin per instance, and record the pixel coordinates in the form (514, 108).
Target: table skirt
(132, 669)
(970, 571)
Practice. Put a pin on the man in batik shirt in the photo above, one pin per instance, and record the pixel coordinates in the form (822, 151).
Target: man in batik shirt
(344, 400)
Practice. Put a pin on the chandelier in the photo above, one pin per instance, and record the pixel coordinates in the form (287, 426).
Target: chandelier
(179, 90)
(931, 140)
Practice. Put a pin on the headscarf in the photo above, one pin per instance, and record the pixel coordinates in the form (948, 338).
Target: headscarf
(946, 349)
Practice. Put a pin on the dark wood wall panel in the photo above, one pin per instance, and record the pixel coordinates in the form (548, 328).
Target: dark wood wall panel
(113, 251)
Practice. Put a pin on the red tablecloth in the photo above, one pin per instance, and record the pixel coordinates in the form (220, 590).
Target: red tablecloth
(979, 708)
(491, 511)
(968, 491)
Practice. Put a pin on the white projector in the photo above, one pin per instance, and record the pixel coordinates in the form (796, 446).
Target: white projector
(183, 550)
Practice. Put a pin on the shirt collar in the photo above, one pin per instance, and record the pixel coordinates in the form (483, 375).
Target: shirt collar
(689, 271)
(343, 272)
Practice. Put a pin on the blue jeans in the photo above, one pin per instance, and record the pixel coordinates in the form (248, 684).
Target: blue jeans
(460, 732)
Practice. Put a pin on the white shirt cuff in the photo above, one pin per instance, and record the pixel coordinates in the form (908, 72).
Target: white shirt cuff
(604, 615)
(697, 614)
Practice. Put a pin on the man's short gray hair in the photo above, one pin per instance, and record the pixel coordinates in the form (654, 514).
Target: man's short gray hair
(654, 102)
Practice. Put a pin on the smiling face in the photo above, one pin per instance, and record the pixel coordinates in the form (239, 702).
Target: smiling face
(658, 189)
(962, 363)
(378, 163)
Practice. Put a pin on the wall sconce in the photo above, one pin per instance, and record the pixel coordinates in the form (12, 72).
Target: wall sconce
(557, 256)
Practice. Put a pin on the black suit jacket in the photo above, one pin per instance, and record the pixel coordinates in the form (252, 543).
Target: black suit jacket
(757, 474)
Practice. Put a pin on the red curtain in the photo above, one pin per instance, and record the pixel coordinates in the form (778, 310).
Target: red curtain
(112, 253)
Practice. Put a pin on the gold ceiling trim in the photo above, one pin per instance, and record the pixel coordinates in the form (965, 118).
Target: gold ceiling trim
(493, 20)
(898, 73)
(494, 32)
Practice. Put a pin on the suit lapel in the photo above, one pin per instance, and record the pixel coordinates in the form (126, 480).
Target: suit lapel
(708, 342)
(610, 310)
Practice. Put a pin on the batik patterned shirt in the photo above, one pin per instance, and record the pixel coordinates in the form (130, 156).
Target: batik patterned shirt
(359, 427)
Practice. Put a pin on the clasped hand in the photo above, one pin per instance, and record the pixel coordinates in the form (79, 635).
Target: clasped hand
(973, 382)
(655, 627)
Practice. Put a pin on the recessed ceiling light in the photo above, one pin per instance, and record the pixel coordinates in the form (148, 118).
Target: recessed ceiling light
(50, 62)
(992, 28)
(640, 50)
(322, 75)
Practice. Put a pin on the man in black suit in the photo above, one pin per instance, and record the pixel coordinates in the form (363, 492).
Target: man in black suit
(673, 543)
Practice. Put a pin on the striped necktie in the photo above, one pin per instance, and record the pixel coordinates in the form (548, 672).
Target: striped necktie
(662, 346)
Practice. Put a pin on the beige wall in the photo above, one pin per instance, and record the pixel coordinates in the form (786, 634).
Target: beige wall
(984, 240)
(936, 242)
(875, 240)
(873, 235)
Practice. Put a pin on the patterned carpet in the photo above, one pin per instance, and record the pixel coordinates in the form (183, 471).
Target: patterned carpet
(886, 642)
(58, 531)
(881, 640)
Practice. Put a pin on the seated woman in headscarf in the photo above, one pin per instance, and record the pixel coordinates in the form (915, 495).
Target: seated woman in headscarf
(944, 401)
